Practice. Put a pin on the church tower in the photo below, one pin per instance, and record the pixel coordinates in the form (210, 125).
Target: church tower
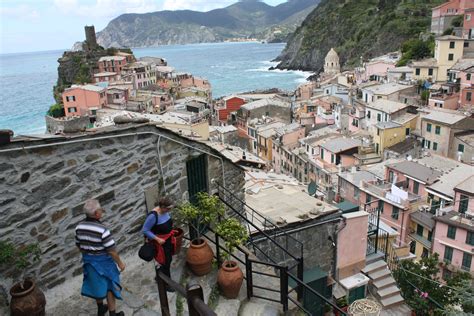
(331, 63)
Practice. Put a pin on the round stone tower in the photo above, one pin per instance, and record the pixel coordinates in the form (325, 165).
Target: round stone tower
(331, 63)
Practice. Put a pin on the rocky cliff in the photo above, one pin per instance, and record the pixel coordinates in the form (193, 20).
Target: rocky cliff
(245, 19)
(355, 28)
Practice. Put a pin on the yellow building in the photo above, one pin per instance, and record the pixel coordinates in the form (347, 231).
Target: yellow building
(448, 49)
(421, 233)
(389, 133)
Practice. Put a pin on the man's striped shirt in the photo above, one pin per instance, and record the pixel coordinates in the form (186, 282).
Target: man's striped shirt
(94, 238)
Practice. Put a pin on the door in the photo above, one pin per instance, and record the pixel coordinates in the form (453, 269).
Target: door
(196, 169)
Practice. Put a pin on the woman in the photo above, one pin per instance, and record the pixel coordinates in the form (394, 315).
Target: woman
(159, 228)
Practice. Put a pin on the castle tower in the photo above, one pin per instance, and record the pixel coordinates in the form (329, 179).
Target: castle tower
(91, 41)
(331, 63)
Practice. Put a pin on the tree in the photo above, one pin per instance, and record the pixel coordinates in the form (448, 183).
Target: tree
(422, 289)
(56, 110)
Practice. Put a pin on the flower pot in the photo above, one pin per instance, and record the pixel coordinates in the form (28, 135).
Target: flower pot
(28, 300)
(199, 257)
(343, 308)
(229, 279)
(179, 239)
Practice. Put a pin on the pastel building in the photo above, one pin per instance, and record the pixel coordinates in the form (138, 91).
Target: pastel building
(383, 111)
(454, 242)
(387, 91)
(141, 74)
(468, 24)
(83, 100)
(387, 134)
(229, 104)
(112, 64)
(444, 14)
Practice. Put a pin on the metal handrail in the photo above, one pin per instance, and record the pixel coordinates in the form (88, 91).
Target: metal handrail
(260, 231)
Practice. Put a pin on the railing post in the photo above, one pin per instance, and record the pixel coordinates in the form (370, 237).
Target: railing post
(284, 288)
(165, 309)
(193, 292)
(386, 245)
(248, 276)
(300, 275)
(218, 250)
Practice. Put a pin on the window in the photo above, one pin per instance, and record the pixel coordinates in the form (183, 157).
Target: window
(72, 110)
(356, 193)
(435, 146)
(380, 206)
(332, 158)
(430, 235)
(419, 230)
(407, 131)
(470, 238)
(379, 117)
(417, 71)
(466, 261)
(428, 127)
(424, 253)
(466, 44)
(451, 57)
(468, 96)
(368, 198)
(463, 203)
(452, 44)
(378, 131)
(451, 232)
(390, 176)
(416, 187)
(368, 114)
(448, 254)
(322, 153)
(71, 98)
(427, 144)
(395, 212)
(413, 247)
(437, 130)
(461, 148)
(468, 17)
(430, 72)
(468, 76)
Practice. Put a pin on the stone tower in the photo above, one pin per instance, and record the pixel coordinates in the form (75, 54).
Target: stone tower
(91, 41)
(331, 63)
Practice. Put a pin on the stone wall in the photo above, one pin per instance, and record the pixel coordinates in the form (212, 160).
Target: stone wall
(318, 248)
(64, 125)
(42, 190)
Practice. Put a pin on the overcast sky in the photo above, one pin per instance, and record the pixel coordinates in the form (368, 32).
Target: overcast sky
(39, 25)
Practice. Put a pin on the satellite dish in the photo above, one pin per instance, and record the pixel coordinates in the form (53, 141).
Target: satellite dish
(312, 186)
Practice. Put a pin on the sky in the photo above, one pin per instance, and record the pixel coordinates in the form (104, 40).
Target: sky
(41, 25)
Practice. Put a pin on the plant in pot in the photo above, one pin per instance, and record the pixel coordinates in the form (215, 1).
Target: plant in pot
(178, 224)
(342, 303)
(27, 298)
(199, 217)
(230, 276)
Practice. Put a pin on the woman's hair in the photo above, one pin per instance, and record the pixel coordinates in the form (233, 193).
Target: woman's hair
(164, 202)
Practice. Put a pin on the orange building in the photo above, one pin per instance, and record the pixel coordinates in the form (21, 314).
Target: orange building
(231, 104)
(83, 100)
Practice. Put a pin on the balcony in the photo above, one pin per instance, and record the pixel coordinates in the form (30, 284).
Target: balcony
(395, 195)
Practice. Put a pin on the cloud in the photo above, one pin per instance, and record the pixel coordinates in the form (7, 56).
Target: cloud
(196, 5)
(22, 11)
(105, 8)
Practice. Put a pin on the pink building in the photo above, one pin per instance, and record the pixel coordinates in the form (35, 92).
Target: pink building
(112, 64)
(305, 91)
(416, 176)
(454, 242)
(377, 70)
(442, 15)
(466, 98)
(468, 24)
(284, 142)
(356, 118)
(83, 100)
(444, 100)
(337, 152)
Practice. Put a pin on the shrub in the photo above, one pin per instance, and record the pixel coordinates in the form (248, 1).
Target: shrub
(56, 110)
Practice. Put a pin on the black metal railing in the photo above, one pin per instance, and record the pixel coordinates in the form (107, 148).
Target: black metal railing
(193, 294)
(266, 230)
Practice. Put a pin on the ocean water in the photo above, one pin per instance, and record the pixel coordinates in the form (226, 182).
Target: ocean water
(27, 79)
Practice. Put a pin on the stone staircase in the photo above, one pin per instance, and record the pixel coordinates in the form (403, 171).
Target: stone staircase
(383, 284)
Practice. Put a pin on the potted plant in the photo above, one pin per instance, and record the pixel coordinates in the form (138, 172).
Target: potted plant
(27, 298)
(205, 212)
(342, 303)
(230, 276)
(178, 223)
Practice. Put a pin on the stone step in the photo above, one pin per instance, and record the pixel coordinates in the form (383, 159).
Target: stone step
(388, 291)
(257, 307)
(385, 282)
(392, 301)
(379, 274)
(374, 267)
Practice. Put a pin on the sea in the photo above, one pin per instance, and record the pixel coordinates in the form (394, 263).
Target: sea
(27, 79)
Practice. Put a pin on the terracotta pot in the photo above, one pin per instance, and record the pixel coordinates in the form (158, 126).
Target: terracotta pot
(179, 239)
(199, 257)
(27, 301)
(229, 279)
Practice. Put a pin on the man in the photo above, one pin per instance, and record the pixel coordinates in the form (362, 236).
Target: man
(100, 260)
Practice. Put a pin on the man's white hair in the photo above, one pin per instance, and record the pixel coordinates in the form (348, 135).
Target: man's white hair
(91, 206)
